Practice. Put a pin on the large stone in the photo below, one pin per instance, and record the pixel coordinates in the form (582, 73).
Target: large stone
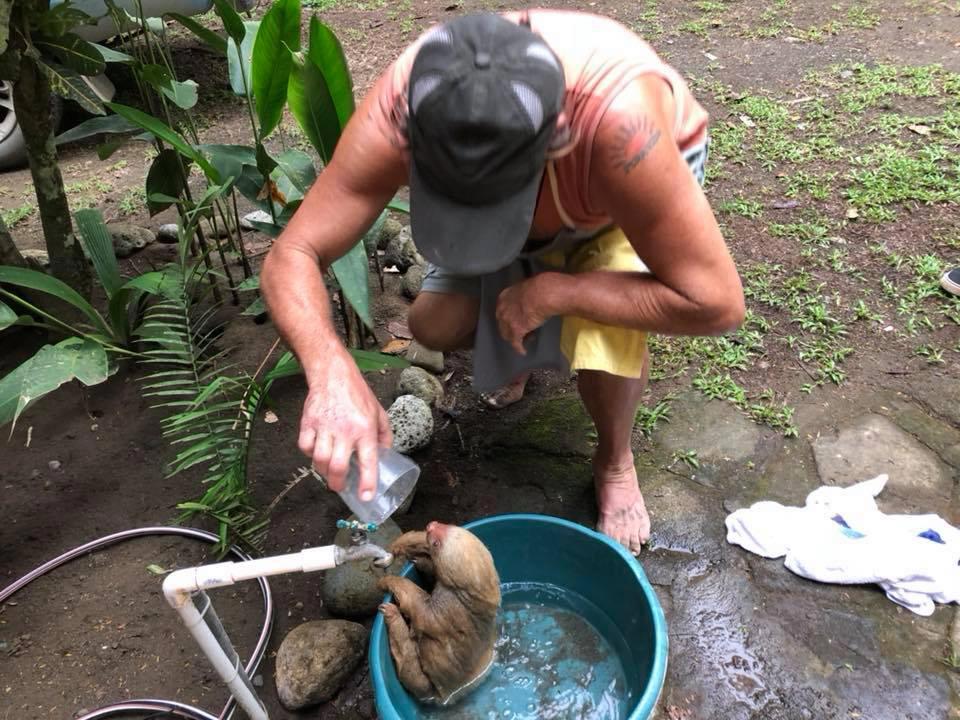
(259, 216)
(350, 590)
(402, 252)
(412, 282)
(870, 445)
(716, 430)
(36, 259)
(420, 356)
(412, 423)
(315, 659)
(168, 233)
(418, 382)
(128, 239)
(390, 229)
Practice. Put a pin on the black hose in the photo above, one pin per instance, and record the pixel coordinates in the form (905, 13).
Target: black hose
(152, 708)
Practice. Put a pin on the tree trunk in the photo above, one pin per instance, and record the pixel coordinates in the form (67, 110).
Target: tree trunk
(9, 254)
(31, 100)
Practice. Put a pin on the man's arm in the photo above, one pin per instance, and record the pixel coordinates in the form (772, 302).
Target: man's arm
(641, 180)
(341, 413)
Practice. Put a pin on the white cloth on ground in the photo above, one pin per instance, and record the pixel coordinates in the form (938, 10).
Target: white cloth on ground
(841, 536)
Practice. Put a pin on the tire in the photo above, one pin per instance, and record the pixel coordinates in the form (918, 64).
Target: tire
(13, 148)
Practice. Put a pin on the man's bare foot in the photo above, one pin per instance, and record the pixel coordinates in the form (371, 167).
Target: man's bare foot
(623, 514)
(508, 394)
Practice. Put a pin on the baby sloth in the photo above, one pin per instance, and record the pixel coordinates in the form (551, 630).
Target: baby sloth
(442, 641)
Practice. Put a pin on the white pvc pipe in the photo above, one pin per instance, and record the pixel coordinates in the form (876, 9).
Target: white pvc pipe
(182, 586)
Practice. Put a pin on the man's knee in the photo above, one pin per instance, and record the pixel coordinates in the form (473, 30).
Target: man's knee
(442, 321)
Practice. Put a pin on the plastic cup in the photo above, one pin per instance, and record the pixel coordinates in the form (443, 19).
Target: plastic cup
(397, 477)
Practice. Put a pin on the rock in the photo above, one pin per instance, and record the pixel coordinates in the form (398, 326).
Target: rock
(402, 252)
(420, 356)
(128, 239)
(350, 590)
(412, 423)
(391, 228)
(261, 216)
(168, 233)
(870, 445)
(418, 382)
(412, 281)
(54, 465)
(315, 659)
(38, 259)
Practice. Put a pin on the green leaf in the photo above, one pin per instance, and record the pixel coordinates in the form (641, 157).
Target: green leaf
(5, 7)
(239, 63)
(24, 277)
(107, 124)
(68, 84)
(229, 160)
(286, 366)
(113, 56)
(311, 104)
(400, 205)
(369, 360)
(165, 178)
(232, 22)
(166, 133)
(58, 20)
(279, 29)
(208, 36)
(51, 367)
(182, 93)
(166, 283)
(257, 307)
(351, 273)
(251, 283)
(7, 316)
(265, 162)
(99, 246)
(327, 54)
(74, 52)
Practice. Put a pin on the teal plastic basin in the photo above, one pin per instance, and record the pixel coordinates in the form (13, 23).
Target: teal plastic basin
(551, 551)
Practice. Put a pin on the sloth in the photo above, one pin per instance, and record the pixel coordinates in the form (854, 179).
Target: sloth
(442, 641)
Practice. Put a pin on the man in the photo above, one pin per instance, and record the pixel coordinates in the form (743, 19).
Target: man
(546, 153)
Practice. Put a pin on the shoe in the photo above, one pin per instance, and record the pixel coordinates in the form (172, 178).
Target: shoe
(950, 281)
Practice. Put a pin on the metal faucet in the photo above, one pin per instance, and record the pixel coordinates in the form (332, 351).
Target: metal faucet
(360, 546)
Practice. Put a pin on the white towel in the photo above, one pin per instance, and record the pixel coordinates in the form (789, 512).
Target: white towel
(841, 536)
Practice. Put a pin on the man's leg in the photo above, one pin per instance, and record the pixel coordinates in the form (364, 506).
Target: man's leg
(444, 321)
(612, 402)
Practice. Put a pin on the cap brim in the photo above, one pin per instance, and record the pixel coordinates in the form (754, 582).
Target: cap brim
(470, 239)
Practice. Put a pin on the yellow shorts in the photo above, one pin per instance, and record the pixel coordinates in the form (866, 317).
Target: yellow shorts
(590, 345)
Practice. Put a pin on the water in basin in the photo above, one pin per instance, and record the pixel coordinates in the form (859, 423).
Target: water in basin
(559, 657)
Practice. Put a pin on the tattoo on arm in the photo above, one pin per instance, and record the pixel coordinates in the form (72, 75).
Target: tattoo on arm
(635, 139)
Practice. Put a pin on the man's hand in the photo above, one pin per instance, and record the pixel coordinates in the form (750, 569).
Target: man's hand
(521, 310)
(341, 415)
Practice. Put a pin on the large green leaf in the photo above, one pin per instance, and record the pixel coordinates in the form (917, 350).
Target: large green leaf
(166, 283)
(239, 63)
(57, 20)
(209, 37)
(8, 317)
(165, 177)
(34, 280)
(229, 160)
(312, 105)
(232, 22)
(74, 52)
(51, 367)
(400, 205)
(327, 54)
(99, 246)
(107, 124)
(351, 272)
(165, 132)
(279, 30)
(68, 84)
(369, 360)
(114, 56)
(183, 93)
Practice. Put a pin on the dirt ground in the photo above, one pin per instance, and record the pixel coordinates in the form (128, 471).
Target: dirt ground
(834, 173)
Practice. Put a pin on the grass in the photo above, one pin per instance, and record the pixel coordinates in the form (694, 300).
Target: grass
(741, 206)
(16, 215)
(688, 457)
(648, 418)
(648, 25)
(132, 201)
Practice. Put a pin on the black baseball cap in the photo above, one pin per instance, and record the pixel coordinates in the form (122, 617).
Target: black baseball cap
(484, 96)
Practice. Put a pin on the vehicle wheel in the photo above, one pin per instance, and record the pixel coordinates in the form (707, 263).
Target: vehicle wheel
(13, 148)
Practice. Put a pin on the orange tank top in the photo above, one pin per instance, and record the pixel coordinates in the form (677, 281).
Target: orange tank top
(600, 58)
